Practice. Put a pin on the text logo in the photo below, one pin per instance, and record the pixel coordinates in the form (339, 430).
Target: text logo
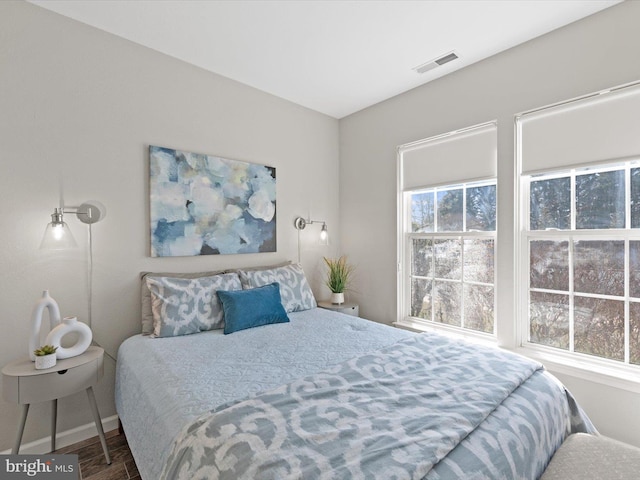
(45, 467)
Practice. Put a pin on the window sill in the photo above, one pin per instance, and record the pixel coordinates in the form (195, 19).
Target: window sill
(594, 370)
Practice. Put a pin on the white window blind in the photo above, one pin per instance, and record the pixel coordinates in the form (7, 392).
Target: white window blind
(601, 127)
(466, 155)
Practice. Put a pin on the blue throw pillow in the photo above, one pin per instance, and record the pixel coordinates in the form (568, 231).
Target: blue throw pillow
(252, 308)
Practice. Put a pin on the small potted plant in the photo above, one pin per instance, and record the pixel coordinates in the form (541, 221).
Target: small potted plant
(338, 277)
(45, 357)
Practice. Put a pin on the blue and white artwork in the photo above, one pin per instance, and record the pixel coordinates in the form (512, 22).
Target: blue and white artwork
(207, 205)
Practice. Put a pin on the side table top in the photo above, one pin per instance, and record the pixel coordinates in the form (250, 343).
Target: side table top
(24, 367)
(335, 306)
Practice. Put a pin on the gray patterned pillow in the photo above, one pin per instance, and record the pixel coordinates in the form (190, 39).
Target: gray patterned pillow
(181, 306)
(295, 291)
(145, 293)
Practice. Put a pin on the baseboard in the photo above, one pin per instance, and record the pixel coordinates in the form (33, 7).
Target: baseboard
(66, 438)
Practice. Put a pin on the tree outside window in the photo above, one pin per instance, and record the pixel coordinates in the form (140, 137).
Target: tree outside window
(584, 261)
(452, 239)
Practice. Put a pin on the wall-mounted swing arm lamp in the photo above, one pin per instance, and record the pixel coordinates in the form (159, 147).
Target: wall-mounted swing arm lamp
(300, 224)
(57, 235)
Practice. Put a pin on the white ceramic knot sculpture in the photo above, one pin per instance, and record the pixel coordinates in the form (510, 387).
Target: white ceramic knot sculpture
(70, 325)
(36, 320)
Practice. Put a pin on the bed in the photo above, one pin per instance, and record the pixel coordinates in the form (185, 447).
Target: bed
(327, 395)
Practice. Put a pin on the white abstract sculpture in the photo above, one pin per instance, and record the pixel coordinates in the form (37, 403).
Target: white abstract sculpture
(69, 325)
(57, 329)
(36, 320)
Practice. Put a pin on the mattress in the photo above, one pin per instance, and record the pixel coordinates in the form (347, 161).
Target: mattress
(165, 384)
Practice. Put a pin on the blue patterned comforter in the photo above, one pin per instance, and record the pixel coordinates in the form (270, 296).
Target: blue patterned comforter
(424, 407)
(163, 384)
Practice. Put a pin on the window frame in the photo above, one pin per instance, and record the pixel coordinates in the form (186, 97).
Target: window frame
(618, 373)
(405, 243)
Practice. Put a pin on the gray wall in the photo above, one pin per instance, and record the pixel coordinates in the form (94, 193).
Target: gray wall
(78, 108)
(597, 52)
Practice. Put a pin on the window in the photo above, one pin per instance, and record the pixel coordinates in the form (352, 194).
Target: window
(447, 231)
(583, 246)
(579, 222)
(451, 240)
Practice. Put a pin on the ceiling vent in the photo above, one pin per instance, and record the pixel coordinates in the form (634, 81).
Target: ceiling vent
(438, 62)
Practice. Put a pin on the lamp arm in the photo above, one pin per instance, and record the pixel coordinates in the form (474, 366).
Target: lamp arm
(88, 212)
(300, 222)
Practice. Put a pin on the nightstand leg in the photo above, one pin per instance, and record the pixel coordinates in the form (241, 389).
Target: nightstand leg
(96, 418)
(54, 419)
(23, 421)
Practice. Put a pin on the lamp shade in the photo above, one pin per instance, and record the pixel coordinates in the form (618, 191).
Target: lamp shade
(57, 236)
(324, 235)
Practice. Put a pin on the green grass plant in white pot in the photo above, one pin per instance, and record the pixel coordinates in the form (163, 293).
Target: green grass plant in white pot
(338, 278)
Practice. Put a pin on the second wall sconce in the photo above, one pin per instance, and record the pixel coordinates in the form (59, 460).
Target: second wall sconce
(300, 224)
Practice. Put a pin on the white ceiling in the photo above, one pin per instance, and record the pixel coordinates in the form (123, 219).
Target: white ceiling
(336, 57)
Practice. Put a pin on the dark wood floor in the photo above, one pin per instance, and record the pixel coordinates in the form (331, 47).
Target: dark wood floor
(93, 465)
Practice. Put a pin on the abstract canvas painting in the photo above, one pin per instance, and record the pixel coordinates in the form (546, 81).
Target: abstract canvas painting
(208, 205)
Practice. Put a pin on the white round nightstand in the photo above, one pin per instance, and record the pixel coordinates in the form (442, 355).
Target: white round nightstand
(347, 307)
(23, 384)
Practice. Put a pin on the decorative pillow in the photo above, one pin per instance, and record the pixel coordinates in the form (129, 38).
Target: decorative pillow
(181, 306)
(145, 294)
(252, 308)
(295, 291)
